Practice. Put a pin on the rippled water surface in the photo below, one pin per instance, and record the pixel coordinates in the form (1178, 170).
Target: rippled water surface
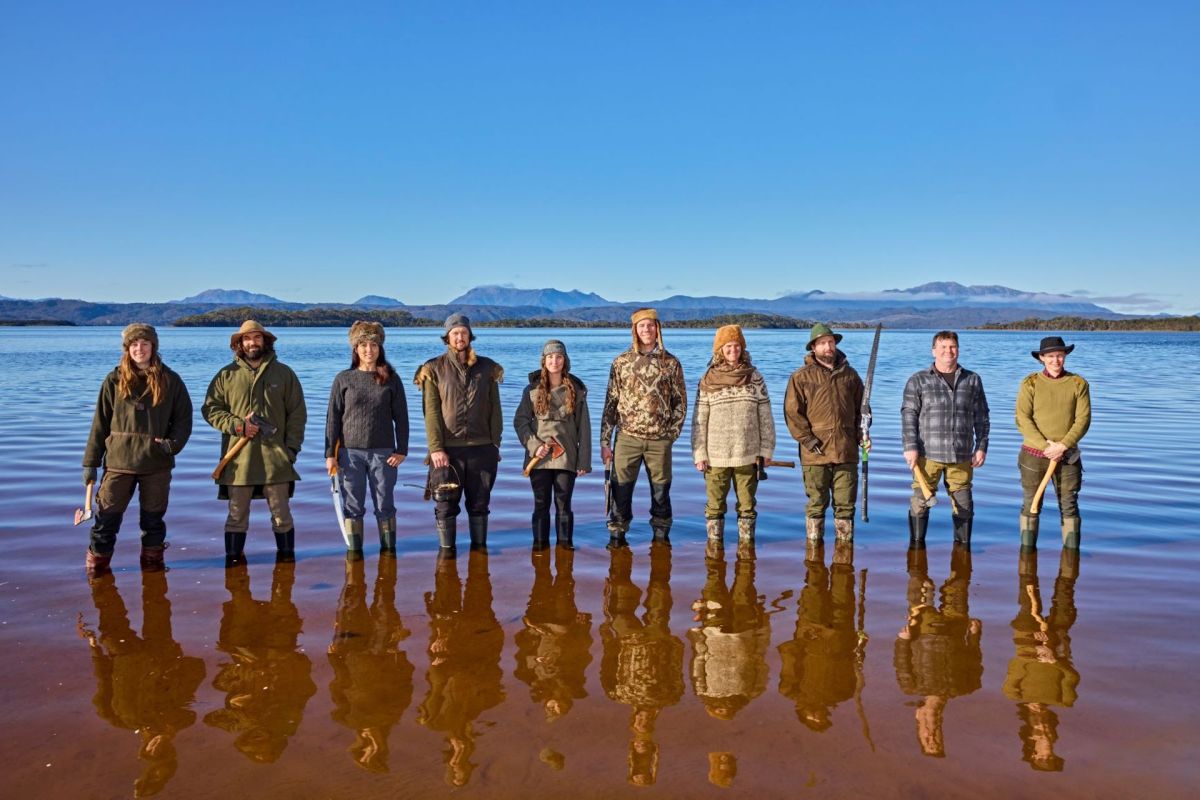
(769, 673)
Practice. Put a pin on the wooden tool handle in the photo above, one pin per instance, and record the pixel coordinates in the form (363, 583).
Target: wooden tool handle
(788, 464)
(1035, 506)
(229, 456)
(924, 484)
(87, 498)
(533, 462)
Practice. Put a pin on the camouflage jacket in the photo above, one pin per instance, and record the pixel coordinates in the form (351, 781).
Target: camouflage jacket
(646, 397)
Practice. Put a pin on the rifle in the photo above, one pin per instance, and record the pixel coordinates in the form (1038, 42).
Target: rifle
(866, 418)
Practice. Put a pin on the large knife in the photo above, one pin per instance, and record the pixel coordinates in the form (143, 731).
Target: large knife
(866, 418)
(335, 486)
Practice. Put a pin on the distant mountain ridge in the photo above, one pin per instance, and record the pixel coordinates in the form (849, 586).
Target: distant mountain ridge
(928, 305)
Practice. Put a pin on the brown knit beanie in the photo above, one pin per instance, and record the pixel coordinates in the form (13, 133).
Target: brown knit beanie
(139, 330)
(727, 334)
(638, 316)
(366, 331)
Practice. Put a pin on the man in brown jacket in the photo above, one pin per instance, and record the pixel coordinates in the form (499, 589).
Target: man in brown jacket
(823, 409)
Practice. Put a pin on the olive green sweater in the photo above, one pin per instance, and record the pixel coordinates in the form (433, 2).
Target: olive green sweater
(124, 429)
(1054, 409)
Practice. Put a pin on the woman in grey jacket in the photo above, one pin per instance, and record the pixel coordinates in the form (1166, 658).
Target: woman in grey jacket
(553, 411)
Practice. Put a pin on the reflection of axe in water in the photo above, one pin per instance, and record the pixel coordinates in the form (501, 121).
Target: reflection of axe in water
(763, 463)
(556, 451)
(265, 429)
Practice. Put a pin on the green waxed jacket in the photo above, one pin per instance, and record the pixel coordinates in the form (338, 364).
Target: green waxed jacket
(124, 429)
(273, 392)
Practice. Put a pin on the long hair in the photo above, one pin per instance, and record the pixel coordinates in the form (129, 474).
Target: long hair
(542, 403)
(383, 370)
(131, 381)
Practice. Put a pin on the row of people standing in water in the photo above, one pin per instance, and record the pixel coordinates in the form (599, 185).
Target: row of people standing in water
(147, 683)
(143, 418)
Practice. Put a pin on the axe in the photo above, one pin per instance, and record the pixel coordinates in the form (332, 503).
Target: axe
(1035, 505)
(265, 429)
(926, 492)
(85, 513)
(764, 463)
(556, 450)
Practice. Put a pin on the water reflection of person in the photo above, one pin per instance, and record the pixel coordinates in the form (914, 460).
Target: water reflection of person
(554, 648)
(642, 663)
(1041, 674)
(465, 641)
(267, 680)
(143, 683)
(938, 654)
(818, 668)
(729, 646)
(372, 677)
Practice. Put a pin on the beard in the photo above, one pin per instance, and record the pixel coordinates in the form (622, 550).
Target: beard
(254, 353)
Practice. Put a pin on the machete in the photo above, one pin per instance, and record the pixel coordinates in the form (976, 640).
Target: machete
(335, 487)
(866, 418)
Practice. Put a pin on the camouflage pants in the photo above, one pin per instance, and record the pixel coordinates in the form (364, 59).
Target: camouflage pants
(838, 482)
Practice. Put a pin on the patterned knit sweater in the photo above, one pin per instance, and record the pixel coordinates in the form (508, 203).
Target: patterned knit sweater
(733, 426)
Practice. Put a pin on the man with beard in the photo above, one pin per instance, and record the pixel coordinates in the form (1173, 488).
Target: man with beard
(257, 385)
(823, 411)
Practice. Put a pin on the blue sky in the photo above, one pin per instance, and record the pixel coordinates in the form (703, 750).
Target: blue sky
(320, 151)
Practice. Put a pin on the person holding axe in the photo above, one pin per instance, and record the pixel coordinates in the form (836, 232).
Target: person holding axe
(552, 423)
(823, 410)
(257, 404)
(143, 418)
(1054, 411)
(945, 425)
(733, 432)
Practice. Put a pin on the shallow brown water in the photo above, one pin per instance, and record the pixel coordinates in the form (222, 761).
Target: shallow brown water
(776, 674)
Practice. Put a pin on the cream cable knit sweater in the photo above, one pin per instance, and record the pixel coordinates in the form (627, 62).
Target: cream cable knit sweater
(734, 426)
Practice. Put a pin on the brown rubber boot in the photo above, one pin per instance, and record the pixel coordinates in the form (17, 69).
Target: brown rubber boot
(96, 564)
(152, 558)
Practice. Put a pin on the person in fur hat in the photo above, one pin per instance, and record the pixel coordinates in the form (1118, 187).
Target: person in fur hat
(554, 409)
(463, 425)
(143, 418)
(368, 416)
(733, 430)
(644, 409)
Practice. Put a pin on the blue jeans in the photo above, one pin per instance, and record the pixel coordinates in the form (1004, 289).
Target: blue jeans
(360, 468)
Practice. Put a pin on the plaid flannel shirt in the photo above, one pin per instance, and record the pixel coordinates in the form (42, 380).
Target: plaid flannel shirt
(943, 424)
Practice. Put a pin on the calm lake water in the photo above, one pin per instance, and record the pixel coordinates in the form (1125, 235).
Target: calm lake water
(770, 673)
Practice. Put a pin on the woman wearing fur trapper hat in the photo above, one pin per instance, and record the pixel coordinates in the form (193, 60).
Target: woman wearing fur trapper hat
(368, 417)
(1054, 411)
(553, 414)
(732, 431)
(143, 418)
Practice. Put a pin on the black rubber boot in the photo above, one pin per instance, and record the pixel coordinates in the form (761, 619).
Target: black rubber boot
(918, 524)
(1070, 533)
(1029, 531)
(564, 535)
(235, 546)
(387, 535)
(352, 535)
(616, 540)
(541, 530)
(285, 546)
(447, 530)
(478, 527)
(962, 529)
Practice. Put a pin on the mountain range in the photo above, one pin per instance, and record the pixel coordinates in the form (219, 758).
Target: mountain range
(937, 304)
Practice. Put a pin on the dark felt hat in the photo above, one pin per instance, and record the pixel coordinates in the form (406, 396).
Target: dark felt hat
(1052, 344)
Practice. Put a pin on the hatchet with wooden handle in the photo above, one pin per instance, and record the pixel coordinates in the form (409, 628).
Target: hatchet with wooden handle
(556, 451)
(264, 429)
(926, 491)
(1035, 505)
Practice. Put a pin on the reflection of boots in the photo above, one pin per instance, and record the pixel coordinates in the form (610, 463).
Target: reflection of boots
(746, 527)
(1029, 530)
(962, 529)
(387, 535)
(814, 552)
(541, 530)
(152, 558)
(478, 524)
(917, 525)
(285, 546)
(715, 526)
(1027, 563)
(1068, 564)
(565, 530)
(814, 528)
(844, 529)
(235, 545)
(1070, 532)
(447, 530)
(843, 551)
(352, 533)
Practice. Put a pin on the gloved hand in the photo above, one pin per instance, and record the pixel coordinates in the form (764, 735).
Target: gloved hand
(89, 475)
(813, 445)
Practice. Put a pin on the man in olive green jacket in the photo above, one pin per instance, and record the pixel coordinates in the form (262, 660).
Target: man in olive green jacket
(257, 383)
(823, 411)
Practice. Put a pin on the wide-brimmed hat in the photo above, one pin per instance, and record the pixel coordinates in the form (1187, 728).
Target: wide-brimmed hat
(819, 330)
(456, 320)
(366, 331)
(1052, 344)
(139, 330)
(250, 326)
